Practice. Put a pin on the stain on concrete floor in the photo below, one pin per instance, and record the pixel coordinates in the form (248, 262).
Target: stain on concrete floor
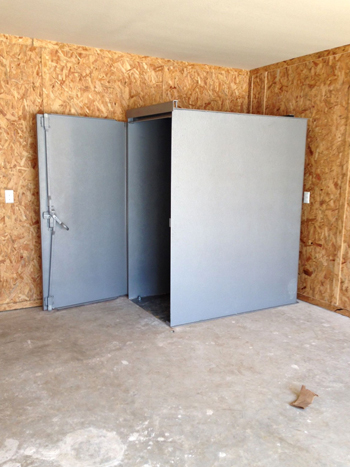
(110, 385)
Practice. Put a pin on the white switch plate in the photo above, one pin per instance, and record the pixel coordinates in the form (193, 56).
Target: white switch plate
(306, 197)
(8, 196)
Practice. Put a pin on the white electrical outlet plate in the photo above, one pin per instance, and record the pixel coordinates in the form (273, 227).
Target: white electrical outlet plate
(8, 196)
(306, 197)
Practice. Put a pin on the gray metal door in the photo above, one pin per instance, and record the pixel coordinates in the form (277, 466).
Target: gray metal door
(83, 209)
(236, 207)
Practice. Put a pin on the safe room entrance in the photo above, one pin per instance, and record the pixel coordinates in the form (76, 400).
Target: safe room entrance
(206, 206)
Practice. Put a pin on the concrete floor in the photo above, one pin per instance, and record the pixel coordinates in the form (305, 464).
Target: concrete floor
(110, 385)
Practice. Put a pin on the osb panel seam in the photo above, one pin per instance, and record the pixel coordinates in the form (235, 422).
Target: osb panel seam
(258, 94)
(250, 88)
(265, 92)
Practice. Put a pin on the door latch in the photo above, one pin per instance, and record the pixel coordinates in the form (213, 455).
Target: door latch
(52, 218)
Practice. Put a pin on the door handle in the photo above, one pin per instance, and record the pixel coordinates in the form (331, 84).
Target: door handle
(51, 216)
(60, 222)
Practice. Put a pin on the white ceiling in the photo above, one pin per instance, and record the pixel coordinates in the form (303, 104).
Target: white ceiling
(235, 33)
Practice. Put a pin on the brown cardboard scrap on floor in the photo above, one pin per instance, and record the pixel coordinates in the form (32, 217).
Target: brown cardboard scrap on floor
(305, 398)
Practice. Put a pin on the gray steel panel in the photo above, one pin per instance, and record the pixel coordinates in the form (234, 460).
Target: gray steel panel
(236, 207)
(156, 109)
(86, 158)
(149, 160)
(45, 236)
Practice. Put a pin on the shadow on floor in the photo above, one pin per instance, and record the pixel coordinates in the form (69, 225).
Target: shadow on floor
(159, 306)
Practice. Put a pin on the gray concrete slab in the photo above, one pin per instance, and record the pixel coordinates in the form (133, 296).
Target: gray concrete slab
(110, 385)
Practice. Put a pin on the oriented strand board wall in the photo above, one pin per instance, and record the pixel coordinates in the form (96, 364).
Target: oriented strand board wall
(101, 83)
(317, 87)
(20, 99)
(39, 76)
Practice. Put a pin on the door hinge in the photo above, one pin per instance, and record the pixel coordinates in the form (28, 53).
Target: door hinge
(49, 302)
(45, 122)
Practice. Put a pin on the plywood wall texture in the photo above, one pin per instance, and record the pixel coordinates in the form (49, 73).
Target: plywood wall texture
(20, 99)
(105, 84)
(39, 76)
(317, 87)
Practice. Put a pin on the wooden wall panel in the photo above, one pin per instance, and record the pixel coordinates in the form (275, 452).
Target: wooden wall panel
(20, 99)
(125, 81)
(41, 76)
(145, 79)
(343, 298)
(206, 87)
(317, 88)
(303, 59)
(83, 84)
(257, 103)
